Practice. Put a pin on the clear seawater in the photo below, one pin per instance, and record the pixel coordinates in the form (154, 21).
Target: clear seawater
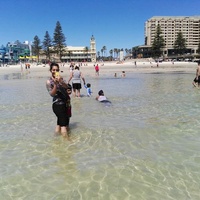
(145, 145)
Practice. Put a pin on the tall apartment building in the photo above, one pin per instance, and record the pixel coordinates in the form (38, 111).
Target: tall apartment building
(170, 26)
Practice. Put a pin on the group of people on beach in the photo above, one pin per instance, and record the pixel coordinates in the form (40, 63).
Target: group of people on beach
(61, 90)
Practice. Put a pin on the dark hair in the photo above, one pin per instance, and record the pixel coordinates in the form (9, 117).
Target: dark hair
(88, 84)
(53, 64)
(100, 93)
(77, 67)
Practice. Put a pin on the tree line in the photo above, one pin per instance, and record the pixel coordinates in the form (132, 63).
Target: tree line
(113, 53)
(50, 45)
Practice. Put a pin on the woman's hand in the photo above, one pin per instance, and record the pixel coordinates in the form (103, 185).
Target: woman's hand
(62, 82)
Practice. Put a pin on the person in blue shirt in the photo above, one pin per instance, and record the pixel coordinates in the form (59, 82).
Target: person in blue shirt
(89, 91)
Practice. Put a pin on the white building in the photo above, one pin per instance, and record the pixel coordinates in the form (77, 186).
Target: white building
(80, 54)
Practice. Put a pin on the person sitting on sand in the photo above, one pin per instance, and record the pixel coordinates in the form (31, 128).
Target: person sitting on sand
(101, 97)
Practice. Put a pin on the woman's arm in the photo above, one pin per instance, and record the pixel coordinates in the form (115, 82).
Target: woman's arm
(52, 90)
(71, 75)
(83, 78)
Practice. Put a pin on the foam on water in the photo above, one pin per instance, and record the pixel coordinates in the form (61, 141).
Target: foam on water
(145, 145)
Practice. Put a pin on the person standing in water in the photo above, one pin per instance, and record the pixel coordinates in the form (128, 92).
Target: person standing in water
(88, 88)
(97, 70)
(76, 77)
(57, 87)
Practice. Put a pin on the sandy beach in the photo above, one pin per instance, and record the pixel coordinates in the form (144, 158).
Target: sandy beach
(109, 68)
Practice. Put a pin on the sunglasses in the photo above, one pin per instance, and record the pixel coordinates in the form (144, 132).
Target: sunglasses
(55, 70)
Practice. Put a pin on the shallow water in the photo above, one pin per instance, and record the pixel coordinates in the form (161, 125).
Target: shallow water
(145, 145)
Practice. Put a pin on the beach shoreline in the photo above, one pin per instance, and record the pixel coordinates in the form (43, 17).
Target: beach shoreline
(106, 68)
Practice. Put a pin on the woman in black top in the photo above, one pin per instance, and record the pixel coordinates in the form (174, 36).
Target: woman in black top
(57, 89)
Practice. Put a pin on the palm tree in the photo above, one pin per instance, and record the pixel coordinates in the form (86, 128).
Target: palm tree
(126, 50)
(98, 54)
(104, 50)
(115, 52)
(111, 54)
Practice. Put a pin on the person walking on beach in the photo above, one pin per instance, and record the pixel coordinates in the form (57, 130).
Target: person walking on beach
(97, 70)
(57, 87)
(76, 77)
(196, 81)
(71, 67)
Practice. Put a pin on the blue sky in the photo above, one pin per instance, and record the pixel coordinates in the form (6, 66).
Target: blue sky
(114, 23)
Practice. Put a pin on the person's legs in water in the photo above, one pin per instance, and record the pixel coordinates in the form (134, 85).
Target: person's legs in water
(62, 119)
(78, 93)
(64, 132)
(58, 129)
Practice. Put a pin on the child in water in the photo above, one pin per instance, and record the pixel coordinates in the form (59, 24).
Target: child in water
(101, 97)
(89, 91)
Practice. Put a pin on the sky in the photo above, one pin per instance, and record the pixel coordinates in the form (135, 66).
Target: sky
(113, 23)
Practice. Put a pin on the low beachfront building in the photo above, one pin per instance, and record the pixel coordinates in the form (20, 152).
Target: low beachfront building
(81, 54)
(15, 51)
(76, 53)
